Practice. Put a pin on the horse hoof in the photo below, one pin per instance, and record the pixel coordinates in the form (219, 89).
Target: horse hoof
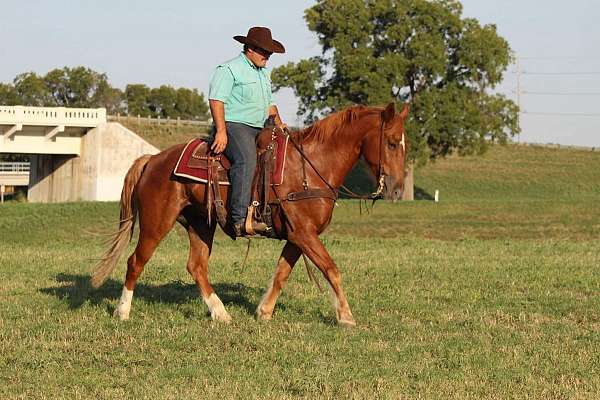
(263, 316)
(223, 317)
(347, 323)
(123, 316)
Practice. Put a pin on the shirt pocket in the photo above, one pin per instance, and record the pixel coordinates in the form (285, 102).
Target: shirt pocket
(249, 90)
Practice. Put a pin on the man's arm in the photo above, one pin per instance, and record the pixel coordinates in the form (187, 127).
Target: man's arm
(217, 110)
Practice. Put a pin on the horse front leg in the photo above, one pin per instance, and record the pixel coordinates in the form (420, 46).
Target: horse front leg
(287, 260)
(311, 245)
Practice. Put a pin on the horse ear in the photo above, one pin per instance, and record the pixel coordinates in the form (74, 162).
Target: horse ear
(404, 112)
(388, 113)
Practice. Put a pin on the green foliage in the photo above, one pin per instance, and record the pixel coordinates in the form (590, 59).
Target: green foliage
(190, 104)
(137, 97)
(65, 87)
(420, 51)
(83, 87)
(32, 90)
(166, 102)
(9, 95)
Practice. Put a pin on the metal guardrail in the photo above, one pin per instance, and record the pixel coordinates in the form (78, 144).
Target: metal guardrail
(15, 167)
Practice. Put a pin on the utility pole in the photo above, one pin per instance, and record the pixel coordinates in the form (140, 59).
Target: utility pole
(519, 93)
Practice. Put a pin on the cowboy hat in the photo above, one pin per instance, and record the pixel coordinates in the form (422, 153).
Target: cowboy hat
(260, 36)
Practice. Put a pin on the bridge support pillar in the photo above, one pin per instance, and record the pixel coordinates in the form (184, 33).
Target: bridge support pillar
(107, 152)
(54, 178)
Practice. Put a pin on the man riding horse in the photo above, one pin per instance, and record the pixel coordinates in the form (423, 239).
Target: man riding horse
(317, 161)
(241, 100)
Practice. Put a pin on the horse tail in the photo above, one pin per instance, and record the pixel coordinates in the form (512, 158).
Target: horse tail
(128, 215)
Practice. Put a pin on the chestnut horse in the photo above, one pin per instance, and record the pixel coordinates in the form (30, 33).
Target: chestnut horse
(331, 147)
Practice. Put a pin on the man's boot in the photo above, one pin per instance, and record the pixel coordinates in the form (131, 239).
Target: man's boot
(257, 229)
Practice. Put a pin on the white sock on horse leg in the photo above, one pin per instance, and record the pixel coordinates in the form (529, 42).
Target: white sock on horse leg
(216, 308)
(122, 310)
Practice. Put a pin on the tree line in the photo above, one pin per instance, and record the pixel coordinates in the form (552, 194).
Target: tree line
(86, 88)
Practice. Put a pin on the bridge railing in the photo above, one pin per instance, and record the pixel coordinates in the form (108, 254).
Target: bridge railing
(139, 120)
(52, 116)
(14, 167)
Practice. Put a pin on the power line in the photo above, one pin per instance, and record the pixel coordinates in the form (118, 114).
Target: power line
(561, 73)
(561, 93)
(561, 58)
(562, 114)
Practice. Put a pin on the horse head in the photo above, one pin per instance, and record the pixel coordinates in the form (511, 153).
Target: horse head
(384, 149)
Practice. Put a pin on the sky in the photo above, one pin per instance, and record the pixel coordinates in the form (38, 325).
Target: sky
(180, 42)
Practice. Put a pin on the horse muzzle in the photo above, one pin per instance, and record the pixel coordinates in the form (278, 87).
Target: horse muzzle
(393, 189)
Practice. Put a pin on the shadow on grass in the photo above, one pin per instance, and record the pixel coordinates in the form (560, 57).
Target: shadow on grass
(78, 291)
(422, 194)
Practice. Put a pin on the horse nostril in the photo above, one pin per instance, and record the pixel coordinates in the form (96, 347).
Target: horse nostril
(397, 194)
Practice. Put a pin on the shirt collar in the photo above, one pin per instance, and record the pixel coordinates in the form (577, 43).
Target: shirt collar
(247, 60)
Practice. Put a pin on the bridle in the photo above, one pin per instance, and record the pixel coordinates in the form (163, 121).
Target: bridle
(344, 189)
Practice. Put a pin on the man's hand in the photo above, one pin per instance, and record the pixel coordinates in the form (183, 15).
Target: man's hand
(217, 110)
(220, 142)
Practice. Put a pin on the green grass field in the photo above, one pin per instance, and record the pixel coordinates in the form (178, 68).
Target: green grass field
(493, 293)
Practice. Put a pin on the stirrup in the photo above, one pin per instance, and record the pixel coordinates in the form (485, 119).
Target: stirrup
(257, 228)
(254, 227)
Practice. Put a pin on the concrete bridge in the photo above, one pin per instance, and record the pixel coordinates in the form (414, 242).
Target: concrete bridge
(75, 153)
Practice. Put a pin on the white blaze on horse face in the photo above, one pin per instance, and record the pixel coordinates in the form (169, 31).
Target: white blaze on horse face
(122, 310)
(403, 143)
(216, 308)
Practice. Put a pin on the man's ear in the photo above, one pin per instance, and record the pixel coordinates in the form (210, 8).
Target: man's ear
(388, 114)
(404, 112)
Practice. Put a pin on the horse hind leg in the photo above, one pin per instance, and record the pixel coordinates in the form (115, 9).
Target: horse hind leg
(150, 237)
(135, 265)
(201, 239)
(287, 260)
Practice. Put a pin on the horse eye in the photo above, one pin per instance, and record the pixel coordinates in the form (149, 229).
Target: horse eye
(392, 146)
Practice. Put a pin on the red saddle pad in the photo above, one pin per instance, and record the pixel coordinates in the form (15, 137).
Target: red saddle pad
(190, 166)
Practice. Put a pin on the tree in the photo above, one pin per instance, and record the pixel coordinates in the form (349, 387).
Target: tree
(168, 102)
(66, 87)
(9, 95)
(80, 87)
(84, 87)
(190, 104)
(162, 101)
(113, 99)
(32, 90)
(137, 99)
(416, 51)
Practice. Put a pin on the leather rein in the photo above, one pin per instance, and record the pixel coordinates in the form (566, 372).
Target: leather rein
(333, 193)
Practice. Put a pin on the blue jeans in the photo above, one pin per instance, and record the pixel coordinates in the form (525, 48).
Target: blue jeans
(241, 151)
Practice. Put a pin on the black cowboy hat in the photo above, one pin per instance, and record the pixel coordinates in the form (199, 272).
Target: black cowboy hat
(260, 36)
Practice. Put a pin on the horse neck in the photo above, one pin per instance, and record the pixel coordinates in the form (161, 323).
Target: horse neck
(335, 156)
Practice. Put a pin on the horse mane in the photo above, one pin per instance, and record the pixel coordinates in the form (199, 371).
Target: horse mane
(326, 128)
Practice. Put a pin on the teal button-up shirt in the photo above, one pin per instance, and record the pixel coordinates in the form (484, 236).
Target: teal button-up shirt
(245, 90)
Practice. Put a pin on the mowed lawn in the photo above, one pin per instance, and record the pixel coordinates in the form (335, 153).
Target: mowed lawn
(492, 293)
